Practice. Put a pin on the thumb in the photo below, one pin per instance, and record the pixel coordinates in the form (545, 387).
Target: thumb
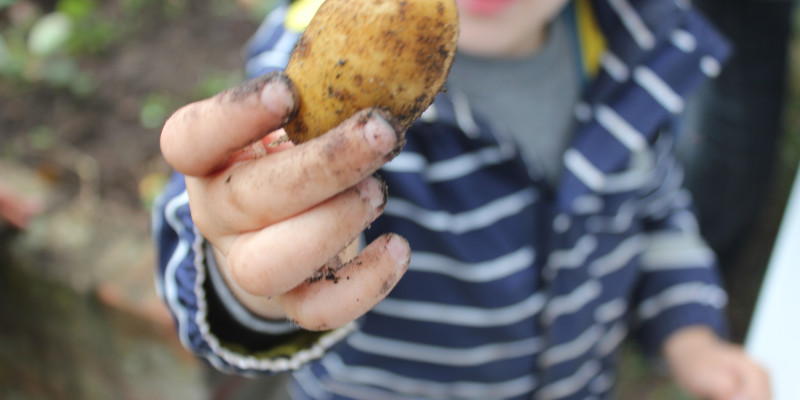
(200, 136)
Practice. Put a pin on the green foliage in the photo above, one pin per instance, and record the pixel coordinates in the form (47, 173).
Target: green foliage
(93, 33)
(215, 82)
(6, 3)
(42, 138)
(155, 109)
(77, 9)
(167, 8)
(49, 34)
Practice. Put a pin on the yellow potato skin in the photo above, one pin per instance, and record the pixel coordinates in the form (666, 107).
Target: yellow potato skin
(357, 54)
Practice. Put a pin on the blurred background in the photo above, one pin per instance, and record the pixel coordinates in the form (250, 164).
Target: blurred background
(85, 86)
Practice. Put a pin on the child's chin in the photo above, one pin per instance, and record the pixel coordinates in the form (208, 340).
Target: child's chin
(483, 7)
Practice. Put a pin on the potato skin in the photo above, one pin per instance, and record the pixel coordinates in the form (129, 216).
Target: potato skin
(357, 54)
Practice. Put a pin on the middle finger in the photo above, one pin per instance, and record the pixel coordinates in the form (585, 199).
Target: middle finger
(272, 188)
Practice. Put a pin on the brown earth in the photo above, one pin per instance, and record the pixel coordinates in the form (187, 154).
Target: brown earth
(79, 317)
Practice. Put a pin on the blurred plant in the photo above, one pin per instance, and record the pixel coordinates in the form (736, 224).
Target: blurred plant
(92, 33)
(168, 8)
(150, 186)
(215, 82)
(258, 9)
(156, 107)
(42, 138)
(40, 47)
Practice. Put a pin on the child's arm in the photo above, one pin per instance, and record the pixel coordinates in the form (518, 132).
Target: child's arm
(273, 216)
(711, 368)
(679, 305)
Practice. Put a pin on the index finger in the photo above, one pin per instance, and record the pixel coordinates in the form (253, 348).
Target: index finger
(198, 138)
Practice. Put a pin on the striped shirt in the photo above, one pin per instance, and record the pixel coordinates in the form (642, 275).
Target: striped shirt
(514, 290)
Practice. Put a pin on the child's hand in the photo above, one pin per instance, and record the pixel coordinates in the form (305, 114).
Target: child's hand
(276, 214)
(710, 368)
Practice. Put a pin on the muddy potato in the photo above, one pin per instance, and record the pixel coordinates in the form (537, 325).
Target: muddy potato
(356, 54)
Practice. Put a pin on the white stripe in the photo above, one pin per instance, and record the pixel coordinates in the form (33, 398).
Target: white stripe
(466, 164)
(572, 302)
(620, 128)
(587, 204)
(286, 42)
(659, 89)
(685, 220)
(616, 223)
(633, 22)
(454, 168)
(562, 223)
(170, 280)
(360, 392)
(584, 170)
(610, 310)
(430, 389)
(637, 177)
(602, 383)
(682, 294)
(438, 355)
(611, 340)
(406, 162)
(572, 349)
(156, 225)
(463, 114)
(310, 384)
(684, 4)
(710, 66)
(461, 315)
(269, 26)
(574, 257)
(676, 250)
(615, 67)
(275, 57)
(619, 257)
(467, 221)
(487, 271)
(663, 200)
(267, 59)
(683, 40)
(430, 115)
(571, 384)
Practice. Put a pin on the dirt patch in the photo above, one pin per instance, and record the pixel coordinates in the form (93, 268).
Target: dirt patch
(163, 55)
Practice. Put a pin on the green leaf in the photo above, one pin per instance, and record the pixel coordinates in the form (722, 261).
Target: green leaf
(49, 34)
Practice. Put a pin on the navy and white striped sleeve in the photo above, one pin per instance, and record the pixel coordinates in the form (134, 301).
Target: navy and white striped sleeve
(679, 285)
(210, 323)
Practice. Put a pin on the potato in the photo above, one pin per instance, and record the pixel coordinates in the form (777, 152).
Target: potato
(357, 54)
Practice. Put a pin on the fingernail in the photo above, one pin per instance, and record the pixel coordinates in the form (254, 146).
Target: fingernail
(278, 95)
(381, 134)
(397, 246)
(373, 191)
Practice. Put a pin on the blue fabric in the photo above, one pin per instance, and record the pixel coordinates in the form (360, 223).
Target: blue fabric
(516, 290)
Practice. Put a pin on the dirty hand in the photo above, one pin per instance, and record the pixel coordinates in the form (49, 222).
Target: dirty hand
(710, 368)
(277, 213)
